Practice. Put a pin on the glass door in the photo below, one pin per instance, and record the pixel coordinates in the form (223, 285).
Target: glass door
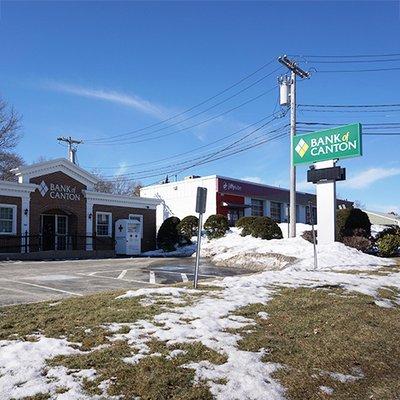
(61, 232)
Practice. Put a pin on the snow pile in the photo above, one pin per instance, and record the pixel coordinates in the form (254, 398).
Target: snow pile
(296, 253)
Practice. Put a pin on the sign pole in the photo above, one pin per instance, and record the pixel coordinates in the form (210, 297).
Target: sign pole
(196, 270)
(201, 201)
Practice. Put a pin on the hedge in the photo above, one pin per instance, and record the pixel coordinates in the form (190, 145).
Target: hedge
(260, 227)
(187, 228)
(389, 245)
(168, 234)
(352, 222)
(216, 226)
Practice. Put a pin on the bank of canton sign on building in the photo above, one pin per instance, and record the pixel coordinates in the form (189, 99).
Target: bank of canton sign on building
(340, 142)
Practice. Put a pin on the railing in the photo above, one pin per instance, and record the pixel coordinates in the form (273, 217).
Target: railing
(34, 243)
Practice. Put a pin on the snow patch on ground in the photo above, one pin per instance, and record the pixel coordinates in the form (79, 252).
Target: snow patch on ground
(294, 253)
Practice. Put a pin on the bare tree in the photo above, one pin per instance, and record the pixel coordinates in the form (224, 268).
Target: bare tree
(9, 161)
(9, 138)
(118, 185)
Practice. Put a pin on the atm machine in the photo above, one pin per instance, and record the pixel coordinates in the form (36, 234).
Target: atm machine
(128, 237)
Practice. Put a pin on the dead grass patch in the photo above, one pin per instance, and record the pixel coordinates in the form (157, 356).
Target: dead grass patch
(77, 319)
(153, 377)
(310, 331)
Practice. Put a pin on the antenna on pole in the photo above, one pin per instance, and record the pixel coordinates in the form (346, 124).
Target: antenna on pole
(71, 148)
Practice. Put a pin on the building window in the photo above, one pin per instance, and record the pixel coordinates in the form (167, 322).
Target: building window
(276, 211)
(257, 208)
(137, 217)
(103, 224)
(8, 219)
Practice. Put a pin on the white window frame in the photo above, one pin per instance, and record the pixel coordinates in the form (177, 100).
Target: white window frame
(14, 220)
(135, 216)
(109, 223)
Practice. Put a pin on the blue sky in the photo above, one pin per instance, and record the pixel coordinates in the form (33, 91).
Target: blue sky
(98, 69)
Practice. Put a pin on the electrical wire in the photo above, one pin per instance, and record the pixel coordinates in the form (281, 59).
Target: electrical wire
(213, 157)
(115, 143)
(346, 56)
(357, 70)
(201, 103)
(207, 154)
(349, 105)
(189, 151)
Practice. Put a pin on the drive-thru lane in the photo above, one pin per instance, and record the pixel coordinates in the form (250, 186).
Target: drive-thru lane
(32, 281)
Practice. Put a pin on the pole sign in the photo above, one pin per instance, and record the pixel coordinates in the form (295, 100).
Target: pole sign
(330, 144)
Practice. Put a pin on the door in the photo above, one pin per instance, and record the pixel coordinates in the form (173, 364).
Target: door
(61, 232)
(48, 232)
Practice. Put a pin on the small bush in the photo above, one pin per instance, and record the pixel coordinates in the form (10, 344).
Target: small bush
(188, 228)
(391, 230)
(259, 227)
(352, 222)
(307, 235)
(266, 228)
(216, 226)
(389, 245)
(358, 242)
(168, 234)
(246, 224)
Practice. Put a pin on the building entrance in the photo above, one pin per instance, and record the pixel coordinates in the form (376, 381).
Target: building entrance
(54, 232)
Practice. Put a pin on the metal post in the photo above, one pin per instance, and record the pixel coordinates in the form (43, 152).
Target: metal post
(313, 235)
(292, 213)
(196, 270)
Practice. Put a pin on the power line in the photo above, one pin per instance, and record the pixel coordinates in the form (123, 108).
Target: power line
(330, 124)
(346, 56)
(189, 151)
(214, 157)
(357, 70)
(116, 143)
(353, 61)
(207, 154)
(198, 104)
(349, 105)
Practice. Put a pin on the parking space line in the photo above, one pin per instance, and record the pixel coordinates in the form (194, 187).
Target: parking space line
(122, 274)
(17, 290)
(110, 277)
(184, 278)
(42, 287)
(187, 273)
(152, 278)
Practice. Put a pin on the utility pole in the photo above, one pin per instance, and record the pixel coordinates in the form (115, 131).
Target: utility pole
(295, 71)
(71, 148)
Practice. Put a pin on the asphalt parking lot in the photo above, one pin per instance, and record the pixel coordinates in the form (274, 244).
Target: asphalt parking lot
(33, 281)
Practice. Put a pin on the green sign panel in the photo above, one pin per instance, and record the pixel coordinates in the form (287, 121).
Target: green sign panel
(340, 142)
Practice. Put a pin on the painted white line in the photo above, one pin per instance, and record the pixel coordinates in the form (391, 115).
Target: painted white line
(187, 273)
(152, 279)
(42, 287)
(18, 291)
(115, 279)
(184, 278)
(122, 274)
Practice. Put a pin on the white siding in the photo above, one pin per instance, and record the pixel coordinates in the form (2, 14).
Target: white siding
(179, 198)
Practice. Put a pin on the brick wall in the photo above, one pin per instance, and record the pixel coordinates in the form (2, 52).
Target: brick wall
(149, 222)
(75, 209)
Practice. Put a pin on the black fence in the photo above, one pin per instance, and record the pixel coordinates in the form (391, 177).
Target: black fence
(33, 243)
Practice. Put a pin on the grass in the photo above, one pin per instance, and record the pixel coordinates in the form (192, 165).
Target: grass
(154, 377)
(77, 319)
(311, 331)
